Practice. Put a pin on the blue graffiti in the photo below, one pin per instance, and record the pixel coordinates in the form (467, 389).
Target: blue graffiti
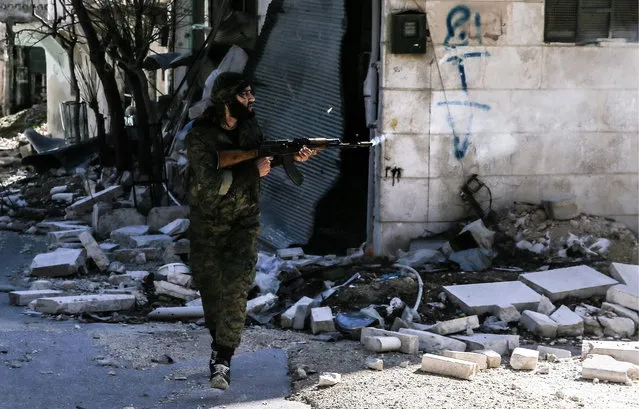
(456, 36)
(460, 65)
(466, 104)
(457, 17)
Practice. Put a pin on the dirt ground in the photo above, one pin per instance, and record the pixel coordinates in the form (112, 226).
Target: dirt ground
(400, 385)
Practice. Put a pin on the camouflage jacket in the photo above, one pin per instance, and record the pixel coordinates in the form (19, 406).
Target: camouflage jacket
(228, 196)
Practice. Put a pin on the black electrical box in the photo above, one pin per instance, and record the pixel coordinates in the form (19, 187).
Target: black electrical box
(408, 33)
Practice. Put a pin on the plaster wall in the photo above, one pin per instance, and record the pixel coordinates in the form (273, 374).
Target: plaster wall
(531, 119)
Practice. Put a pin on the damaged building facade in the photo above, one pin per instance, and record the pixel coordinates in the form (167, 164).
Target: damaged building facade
(513, 92)
(23, 80)
(516, 92)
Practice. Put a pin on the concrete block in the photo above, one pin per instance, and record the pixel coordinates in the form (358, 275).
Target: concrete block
(86, 205)
(176, 227)
(545, 306)
(568, 323)
(375, 364)
(63, 262)
(607, 368)
(442, 365)
(480, 359)
(261, 303)
(434, 343)
(539, 324)
(617, 327)
(621, 311)
(63, 197)
(126, 255)
(84, 303)
(626, 274)
(94, 251)
(155, 240)
(288, 317)
(399, 324)
(493, 359)
(382, 344)
(185, 280)
(62, 225)
(502, 344)
(558, 352)
(456, 325)
(161, 216)
(181, 268)
(174, 290)
(579, 281)
(506, 313)
(64, 236)
(123, 234)
(410, 343)
(322, 320)
(561, 207)
(176, 313)
(109, 247)
(58, 189)
(25, 297)
(621, 351)
(524, 359)
(482, 298)
(41, 285)
(105, 219)
(290, 253)
(623, 295)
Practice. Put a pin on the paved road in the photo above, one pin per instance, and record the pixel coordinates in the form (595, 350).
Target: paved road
(51, 364)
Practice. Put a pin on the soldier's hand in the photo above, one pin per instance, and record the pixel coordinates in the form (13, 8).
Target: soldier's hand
(304, 154)
(264, 165)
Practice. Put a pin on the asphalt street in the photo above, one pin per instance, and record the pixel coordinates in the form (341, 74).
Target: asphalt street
(51, 364)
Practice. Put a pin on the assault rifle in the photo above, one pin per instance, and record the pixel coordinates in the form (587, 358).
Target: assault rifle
(286, 148)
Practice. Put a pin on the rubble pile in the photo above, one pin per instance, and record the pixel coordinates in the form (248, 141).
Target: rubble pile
(12, 125)
(579, 237)
(108, 261)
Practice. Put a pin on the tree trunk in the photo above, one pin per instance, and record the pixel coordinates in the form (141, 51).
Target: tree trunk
(97, 56)
(8, 73)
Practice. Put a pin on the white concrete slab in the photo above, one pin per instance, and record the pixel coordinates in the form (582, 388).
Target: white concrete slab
(502, 344)
(578, 281)
(484, 298)
(626, 274)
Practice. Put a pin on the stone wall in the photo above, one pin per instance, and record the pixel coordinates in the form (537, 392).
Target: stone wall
(531, 119)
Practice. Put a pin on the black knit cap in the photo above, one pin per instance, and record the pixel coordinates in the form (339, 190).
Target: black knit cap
(227, 85)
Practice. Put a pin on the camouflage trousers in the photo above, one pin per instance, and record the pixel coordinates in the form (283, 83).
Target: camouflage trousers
(223, 267)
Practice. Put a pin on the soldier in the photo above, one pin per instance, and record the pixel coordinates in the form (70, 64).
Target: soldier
(224, 179)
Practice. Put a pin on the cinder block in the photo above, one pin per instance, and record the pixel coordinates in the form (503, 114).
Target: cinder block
(25, 297)
(456, 325)
(434, 343)
(539, 324)
(442, 365)
(295, 315)
(322, 320)
(480, 359)
(607, 368)
(621, 351)
(492, 358)
(568, 323)
(524, 359)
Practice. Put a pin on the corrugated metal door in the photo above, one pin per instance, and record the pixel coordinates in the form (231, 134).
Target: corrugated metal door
(296, 75)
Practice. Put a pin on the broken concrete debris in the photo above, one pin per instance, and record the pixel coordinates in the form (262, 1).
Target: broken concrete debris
(480, 359)
(561, 207)
(579, 281)
(442, 365)
(524, 359)
(621, 351)
(62, 262)
(607, 368)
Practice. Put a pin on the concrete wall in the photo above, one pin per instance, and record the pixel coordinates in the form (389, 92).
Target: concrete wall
(540, 119)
